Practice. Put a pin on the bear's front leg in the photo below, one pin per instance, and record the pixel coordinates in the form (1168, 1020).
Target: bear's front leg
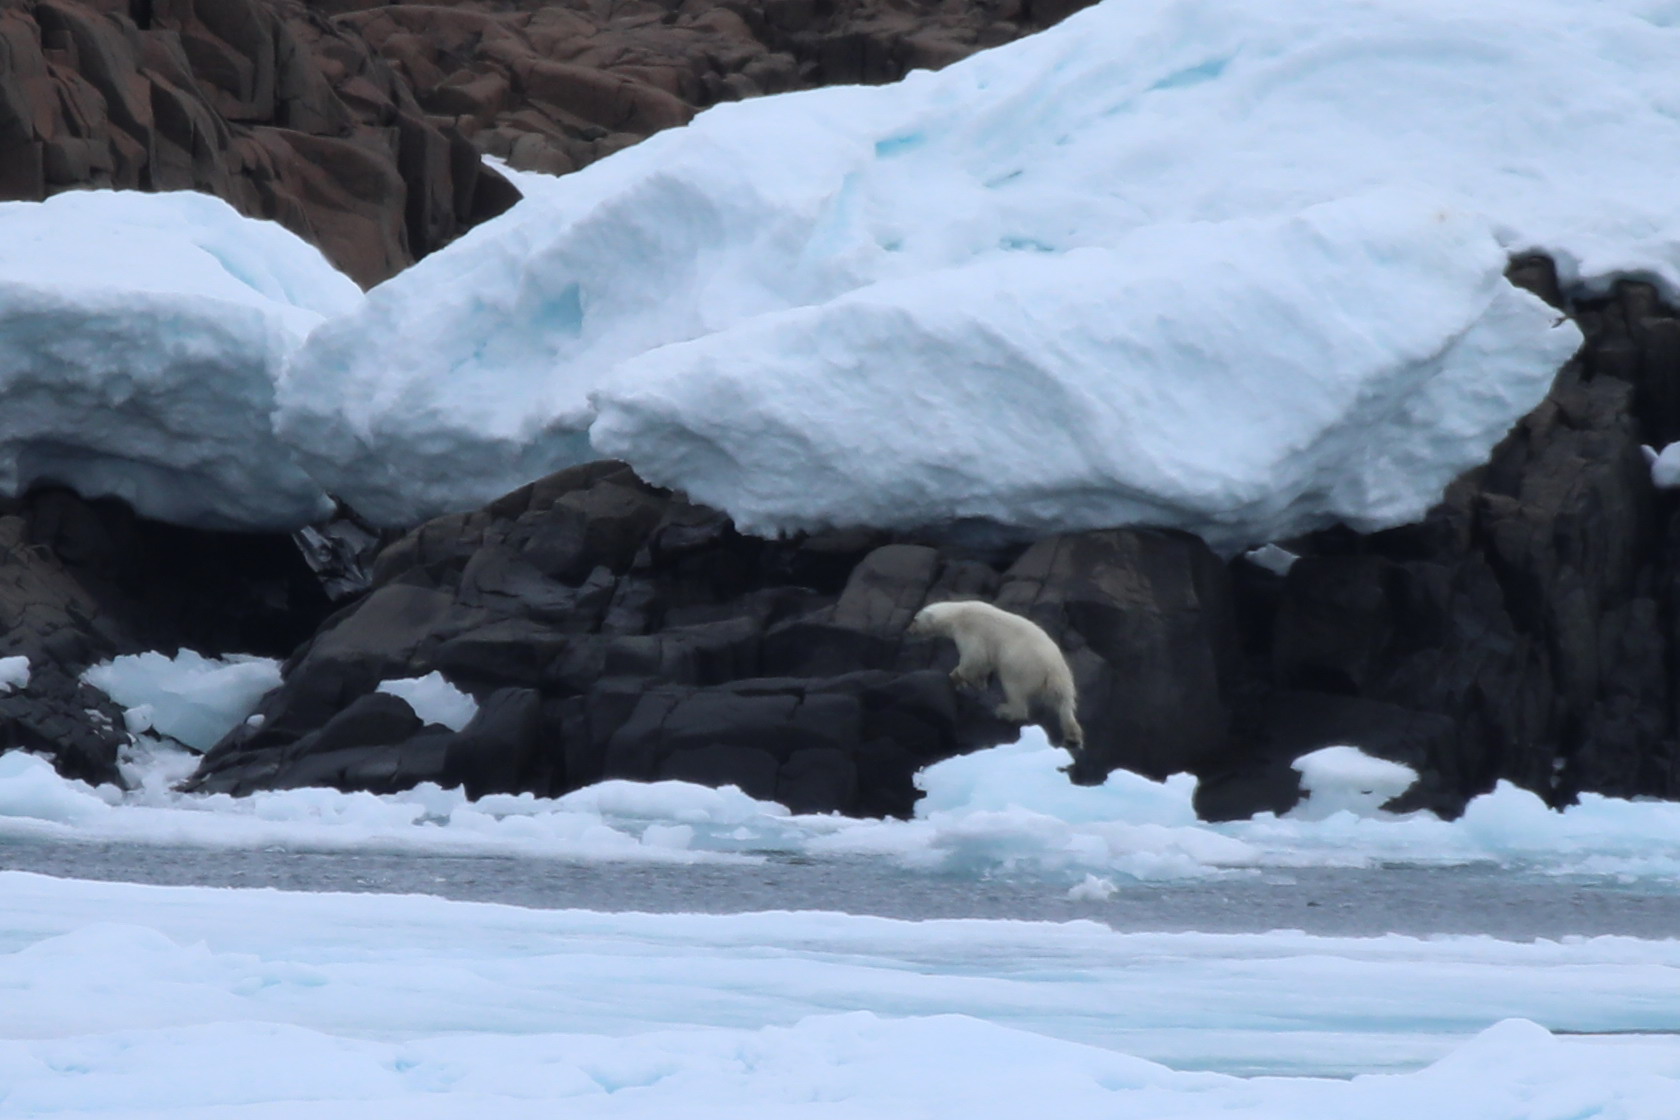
(964, 682)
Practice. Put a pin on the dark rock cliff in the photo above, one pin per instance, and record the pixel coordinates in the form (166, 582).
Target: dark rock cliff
(81, 582)
(610, 629)
(1525, 630)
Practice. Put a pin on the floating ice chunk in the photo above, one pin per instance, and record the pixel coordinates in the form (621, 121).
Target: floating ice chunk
(1092, 888)
(1346, 779)
(191, 698)
(434, 699)
(31, 788)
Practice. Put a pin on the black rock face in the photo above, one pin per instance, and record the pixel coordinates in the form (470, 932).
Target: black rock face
(1526, 630)
(83, 581)
(613, 630)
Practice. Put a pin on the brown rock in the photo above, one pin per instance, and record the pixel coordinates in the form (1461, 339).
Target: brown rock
(262, 102)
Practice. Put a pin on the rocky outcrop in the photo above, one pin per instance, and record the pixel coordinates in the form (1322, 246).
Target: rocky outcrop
(1524, 631)
(260, 102)
(553, 87)
(1527, 629)
(612, 630)
(81, 582)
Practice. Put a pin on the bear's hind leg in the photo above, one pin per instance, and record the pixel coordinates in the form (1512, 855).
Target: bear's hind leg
(1016, 707)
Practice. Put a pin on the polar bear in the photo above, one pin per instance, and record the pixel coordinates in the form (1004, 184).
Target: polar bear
(1029, 665)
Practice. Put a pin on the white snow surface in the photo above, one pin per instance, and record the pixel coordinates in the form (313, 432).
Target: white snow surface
(1229, 267)
(434, 699)
(129, 1001)
(191, 698)
(141, 336)
(14, 673)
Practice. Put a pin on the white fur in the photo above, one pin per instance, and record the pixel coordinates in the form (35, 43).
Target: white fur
(1028, 664)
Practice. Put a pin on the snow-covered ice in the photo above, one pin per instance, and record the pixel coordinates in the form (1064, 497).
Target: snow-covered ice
(140, 339)
(1005, 811)
(134, 1001)
(1221, 266)
(434, 699)
(1145, 381)
(129, 1001)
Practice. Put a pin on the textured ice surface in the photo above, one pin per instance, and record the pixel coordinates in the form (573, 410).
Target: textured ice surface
(1009, 810)
(127, 1001)
(140, 339)
(1229, 267)
(189, 697)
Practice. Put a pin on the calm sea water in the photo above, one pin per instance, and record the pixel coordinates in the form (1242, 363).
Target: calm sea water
(1353, 902)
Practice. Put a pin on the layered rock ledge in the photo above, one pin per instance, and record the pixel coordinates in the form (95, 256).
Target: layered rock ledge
(612, 630)
(1522, 631)
(1525, 630)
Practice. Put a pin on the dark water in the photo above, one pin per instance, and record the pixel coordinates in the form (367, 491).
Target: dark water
(1348, 902)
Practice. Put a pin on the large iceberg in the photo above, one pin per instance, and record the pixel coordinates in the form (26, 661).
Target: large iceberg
(141, 336)
(1178, 378)
(1233, 267)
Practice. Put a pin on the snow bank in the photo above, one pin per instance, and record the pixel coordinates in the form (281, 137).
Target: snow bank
(140, 339)
(191, 698)
(1145, 382)
(1006, 811)
(31, 790)
(1231, 267)
(132, 1001)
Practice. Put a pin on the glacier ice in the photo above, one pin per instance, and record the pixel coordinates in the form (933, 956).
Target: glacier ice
(140, 339)
(1148, 237)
